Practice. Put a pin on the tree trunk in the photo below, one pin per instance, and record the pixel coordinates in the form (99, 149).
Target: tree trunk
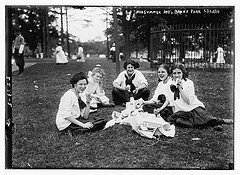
(47, 34)
(182, 50)
(44, 42)
(68, 46)
(127, 44)
(148, 39)
(62, 38)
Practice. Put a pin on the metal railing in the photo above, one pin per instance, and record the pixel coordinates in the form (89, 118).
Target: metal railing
(197, 46)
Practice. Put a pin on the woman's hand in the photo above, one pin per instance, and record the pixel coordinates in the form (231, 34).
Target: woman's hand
(179, 83)
(100, 82)
(135, 91)
(139, 103)
(127, 88)
(88, 98)
(156, 111)
(88, 125)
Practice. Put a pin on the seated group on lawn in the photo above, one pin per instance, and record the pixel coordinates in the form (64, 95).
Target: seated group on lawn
(174, 98)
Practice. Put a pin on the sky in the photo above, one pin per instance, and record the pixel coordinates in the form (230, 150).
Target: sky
(78, 26)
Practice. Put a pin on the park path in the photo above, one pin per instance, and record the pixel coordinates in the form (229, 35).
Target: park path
(15, 68)
(45, 60)
(49, 60)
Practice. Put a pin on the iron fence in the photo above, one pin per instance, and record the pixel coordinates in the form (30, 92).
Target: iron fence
(197, 46)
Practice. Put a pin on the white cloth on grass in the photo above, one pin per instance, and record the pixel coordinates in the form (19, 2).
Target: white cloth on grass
(145, 124)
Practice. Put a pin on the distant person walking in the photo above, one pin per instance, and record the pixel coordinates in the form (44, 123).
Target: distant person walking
(80, 55)
(220, 55)
(60, 55)
(112, 53)
(18, 50)
(39, 53)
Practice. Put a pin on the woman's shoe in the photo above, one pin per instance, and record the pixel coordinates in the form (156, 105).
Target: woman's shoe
(228, 121)
(124, 104)
(218, 128)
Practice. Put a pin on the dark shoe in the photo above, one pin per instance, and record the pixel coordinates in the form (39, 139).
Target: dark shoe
(20, 73)
(93, 110)
(70, 134)
(218, 128)
(124, 104)
(106, 105)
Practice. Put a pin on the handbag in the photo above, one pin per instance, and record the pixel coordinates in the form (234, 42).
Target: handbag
(79, 57)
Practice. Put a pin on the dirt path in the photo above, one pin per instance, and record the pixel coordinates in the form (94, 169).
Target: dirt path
(15, 68)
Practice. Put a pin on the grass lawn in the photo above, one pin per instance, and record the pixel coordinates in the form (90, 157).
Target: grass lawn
(36, 143)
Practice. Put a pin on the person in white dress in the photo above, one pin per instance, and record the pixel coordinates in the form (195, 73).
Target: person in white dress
(80, 55)
(60, 55)
(220, 55)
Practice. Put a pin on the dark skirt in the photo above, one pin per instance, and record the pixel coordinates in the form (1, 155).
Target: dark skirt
(98, 124)
(123, 96)
(19, 58)
(165, 113)
(197, 117)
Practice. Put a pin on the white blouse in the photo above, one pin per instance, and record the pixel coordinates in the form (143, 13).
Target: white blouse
(68, 107)
(137, 81)
(180, 104)
(162, 88)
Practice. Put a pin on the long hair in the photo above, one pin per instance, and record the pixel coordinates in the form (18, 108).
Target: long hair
(182, 68)
(77, 77)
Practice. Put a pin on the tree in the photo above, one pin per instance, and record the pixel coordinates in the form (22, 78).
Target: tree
(135, 28)
(136, 22)
(35, 23)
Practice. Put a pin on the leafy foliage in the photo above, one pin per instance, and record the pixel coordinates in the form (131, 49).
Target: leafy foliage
(135, 22)
(30, 20)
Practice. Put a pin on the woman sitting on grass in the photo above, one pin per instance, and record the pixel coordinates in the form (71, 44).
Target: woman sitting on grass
(130, 83)
(188, 110)
(159, 103)
(95, 88)
(73, 113)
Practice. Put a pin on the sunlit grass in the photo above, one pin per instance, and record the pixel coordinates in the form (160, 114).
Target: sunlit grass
(36, 143)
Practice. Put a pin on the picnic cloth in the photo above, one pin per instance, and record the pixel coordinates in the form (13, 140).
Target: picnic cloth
(145, 124)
